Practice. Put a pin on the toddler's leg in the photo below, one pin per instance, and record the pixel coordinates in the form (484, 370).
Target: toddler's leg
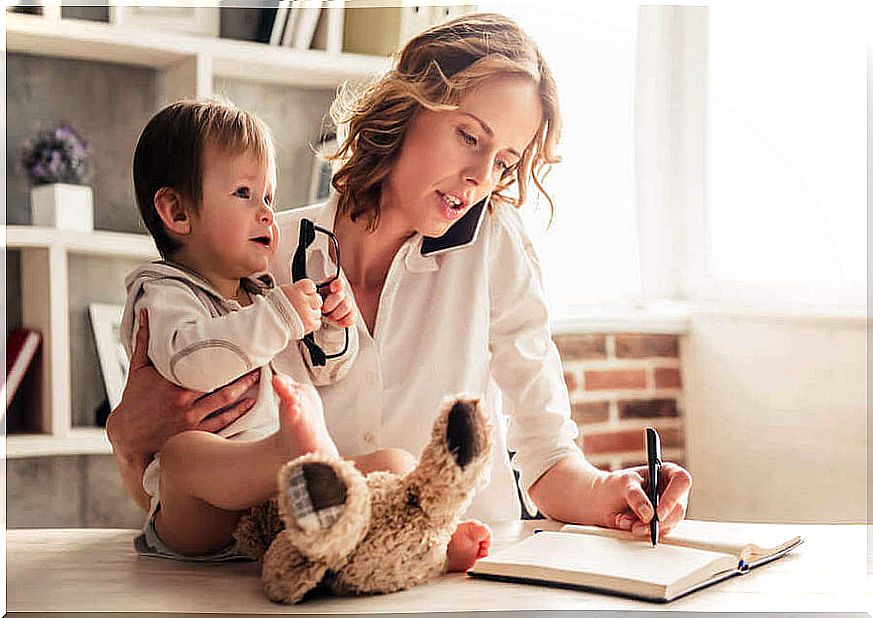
(189, 525)
(206, 480)
(394, 460)
(470, 541)
(301, 420)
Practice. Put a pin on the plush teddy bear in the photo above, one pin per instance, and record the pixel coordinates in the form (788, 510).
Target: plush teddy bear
(374, 534)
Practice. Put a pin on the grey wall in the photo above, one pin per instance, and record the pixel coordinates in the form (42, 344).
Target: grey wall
(106, 103)
(68, 492)
(295, 117)
(92, 280)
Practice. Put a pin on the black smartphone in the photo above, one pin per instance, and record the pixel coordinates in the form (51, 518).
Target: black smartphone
(462, 233)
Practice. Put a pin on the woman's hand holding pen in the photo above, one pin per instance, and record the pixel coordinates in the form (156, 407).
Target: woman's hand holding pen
(576, 492)
(632, 509)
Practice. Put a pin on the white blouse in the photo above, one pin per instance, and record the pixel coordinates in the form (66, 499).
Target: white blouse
(471, 320)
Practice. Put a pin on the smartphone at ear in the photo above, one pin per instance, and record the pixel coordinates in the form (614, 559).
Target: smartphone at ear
(462, 233)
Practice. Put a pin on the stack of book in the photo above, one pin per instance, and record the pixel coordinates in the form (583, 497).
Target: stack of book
(295, 23)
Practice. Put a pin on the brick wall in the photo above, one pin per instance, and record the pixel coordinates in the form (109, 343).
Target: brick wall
(619, 384)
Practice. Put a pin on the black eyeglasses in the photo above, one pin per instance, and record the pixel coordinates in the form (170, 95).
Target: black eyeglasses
(323, 273)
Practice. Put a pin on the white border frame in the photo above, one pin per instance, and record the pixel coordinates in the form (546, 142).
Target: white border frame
(114, 364)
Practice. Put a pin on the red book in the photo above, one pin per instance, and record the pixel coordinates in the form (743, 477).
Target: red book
(22, 346)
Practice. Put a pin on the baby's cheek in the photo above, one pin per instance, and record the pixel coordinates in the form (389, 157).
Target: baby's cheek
(274, 246)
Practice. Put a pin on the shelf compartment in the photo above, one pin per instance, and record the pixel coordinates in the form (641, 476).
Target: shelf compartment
(100, 42)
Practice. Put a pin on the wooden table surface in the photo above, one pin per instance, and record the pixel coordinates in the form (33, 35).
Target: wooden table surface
(97, 570)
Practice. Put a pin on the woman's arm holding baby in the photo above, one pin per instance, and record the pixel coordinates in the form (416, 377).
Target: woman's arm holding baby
(153, 409)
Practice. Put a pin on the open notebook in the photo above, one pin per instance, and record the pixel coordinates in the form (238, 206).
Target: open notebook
(695, 554)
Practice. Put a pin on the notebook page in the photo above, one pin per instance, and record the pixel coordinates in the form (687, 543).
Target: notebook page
(747, 541)
(604, 559)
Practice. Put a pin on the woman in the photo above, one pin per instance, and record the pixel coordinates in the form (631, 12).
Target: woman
(469, 113)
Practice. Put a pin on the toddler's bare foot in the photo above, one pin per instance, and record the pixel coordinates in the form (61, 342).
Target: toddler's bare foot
(470, 541)
(301, 420)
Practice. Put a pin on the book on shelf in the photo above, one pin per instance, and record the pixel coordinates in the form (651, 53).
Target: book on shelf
(23, 383)
(281, 14)
(291, 23)
(307, 20)
(694, 555)
(22, 345)
(328, 34)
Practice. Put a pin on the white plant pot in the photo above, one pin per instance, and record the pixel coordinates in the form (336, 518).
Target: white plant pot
(63, 206)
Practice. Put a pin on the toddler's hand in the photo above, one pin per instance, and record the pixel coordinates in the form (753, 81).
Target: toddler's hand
(306, 301)
(338, 307)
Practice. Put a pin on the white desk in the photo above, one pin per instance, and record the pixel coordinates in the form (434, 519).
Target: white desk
(97, 570)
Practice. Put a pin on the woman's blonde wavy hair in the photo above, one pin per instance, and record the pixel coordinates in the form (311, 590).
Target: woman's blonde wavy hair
(433, 71)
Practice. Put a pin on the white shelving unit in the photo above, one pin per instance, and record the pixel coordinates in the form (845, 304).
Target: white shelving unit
(188, 64)
(45, 307)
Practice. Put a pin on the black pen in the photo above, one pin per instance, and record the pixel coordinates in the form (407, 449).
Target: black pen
(653, 455)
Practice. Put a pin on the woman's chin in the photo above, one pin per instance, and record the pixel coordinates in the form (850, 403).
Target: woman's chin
(435, 231)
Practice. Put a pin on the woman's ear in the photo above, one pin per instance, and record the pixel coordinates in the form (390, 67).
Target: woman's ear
(173, 211)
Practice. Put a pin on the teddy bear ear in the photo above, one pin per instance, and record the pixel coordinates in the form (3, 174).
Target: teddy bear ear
(460, 438)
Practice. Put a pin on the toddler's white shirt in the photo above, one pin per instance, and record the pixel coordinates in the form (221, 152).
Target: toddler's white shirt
(201, 341)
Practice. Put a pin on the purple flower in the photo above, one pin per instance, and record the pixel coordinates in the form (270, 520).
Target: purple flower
(56, 155)
(54, 165)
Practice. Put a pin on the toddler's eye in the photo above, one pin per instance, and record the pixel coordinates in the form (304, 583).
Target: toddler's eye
(469, 139)
(242, 192)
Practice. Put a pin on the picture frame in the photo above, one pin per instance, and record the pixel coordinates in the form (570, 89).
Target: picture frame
(114, 364)
(322, 172)
(198, 18)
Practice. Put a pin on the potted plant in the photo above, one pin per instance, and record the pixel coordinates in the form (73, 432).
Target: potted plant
(56, 162)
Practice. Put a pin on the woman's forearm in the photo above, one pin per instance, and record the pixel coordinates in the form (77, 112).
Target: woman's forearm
(131, 475)
(570, 491)
(131, 465)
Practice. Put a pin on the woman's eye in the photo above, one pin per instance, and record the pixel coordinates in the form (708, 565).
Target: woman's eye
(501, 164)
(242, 192)
(469, 139)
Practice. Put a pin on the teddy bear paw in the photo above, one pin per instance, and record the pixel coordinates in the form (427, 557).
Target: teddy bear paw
(316, 496)
(325, 505)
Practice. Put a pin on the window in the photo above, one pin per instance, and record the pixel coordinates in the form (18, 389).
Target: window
(786, 151)
(589, 254)
(751, 155)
